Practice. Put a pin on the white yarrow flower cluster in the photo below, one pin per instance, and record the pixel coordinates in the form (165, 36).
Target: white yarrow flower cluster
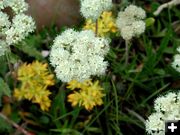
(92, 9)
(78, 55)
(130, 22)
(176, 62)
(166, 107)
(15, 30)
(18, 6)
(21, 26)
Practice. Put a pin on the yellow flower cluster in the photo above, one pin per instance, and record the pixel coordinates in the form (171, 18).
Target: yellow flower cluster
(106, 24)
(89, 94)
(35, 78)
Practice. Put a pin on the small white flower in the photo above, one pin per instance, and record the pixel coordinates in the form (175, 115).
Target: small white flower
(135, 12)
(165, 103)
(138, 27)
(130, 22)
(18, 6)
(1, 5)
(127, 33)
(4, 22)
(78, 55)
(3, 47)
(174, 115)
(178, 98)
(45, 53)
(176, 62)
(155, 123)
(93, 8)
(22, 25)
(166, 107)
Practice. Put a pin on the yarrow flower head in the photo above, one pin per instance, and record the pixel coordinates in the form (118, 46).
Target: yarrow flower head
(78, 55)
(166, 107)
(130, 22)
(176, 62)
(86, 94)
(92, 9)
(106, 24)
(18, 6)
(35, 78)
(15, 30)
(21, 26)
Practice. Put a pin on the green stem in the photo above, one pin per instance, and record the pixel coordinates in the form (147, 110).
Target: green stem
(9, 63)
(126, 52)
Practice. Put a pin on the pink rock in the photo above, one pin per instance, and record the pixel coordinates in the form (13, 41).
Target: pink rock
(59, 12)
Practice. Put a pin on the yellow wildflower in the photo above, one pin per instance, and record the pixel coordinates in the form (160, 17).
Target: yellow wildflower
(89, 94)
(74, 84)
(106, 24)
(35, 72)
(90, 25)
(19, 94)
(74, 98)
(35, 78)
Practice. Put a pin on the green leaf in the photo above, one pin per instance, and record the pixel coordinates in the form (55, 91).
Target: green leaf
(31, 50)
(13, 58)
(169, 50)
(15, 116)
(4, 89)
(164, 43)
(67, 131)
(149, 21)
(112, 54)
(154, 6)
(159, 71)
(44, 119)
(59, 104)
(5, 127)
(4, 66)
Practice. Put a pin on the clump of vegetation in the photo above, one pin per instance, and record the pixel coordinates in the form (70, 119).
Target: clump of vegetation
(116, 73)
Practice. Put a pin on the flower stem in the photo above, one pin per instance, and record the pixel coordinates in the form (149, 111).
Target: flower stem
(15, 125)
(126, 52)
(11, 69)
(9, 63)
